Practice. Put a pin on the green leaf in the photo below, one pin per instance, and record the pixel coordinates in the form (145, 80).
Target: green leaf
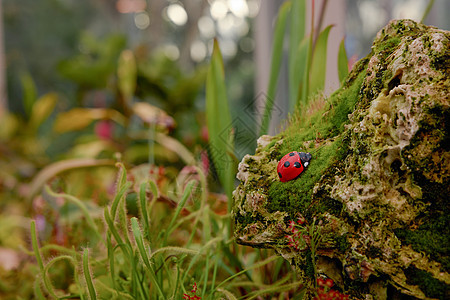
(42, 108)
(127, 74)
(296, 36)
(219, 123)
(427, 10)
(29, 92)
(302, 59)
(277, 55)
(319, 63)
(342, 62)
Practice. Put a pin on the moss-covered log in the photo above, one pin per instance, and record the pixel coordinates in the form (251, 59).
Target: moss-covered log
(377, 188)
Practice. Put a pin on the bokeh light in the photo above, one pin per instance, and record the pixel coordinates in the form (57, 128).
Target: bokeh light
(177, 14)
(142, 20)
(198, 51)
(206, 27)
(238, 7)
(219, 9)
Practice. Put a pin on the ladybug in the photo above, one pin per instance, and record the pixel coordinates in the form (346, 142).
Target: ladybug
(292, 165)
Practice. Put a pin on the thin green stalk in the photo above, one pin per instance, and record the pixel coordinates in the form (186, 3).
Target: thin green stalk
(37, 254)
(205, 275)
(274, 288)
(116, 234)
(186, 194)
(111, 259)
(143, 253)
(49, 286)
(123, 223)
(37, 290)
(80, 205)
(143, 207)
(88, 276)
(113, 291)
(213, 281)
(427, 10)
(257, 265)
(118, 197)
(34, 243)
(177, 281)
(198, 254)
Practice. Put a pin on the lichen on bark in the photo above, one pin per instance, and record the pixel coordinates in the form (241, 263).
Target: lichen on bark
(378, 185)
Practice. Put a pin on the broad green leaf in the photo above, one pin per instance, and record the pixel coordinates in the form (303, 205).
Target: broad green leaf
(29, 92)
(296, 36)
(219, 123)
(277, 55)
(42, 108)
(301, 62)
(127, 74)
(319, 63)
(342, 62)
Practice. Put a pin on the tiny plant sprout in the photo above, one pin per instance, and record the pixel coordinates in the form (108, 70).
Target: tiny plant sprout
(292, 165)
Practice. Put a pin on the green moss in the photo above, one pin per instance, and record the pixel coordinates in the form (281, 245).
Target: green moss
(432, 237)
(386, 47)
(342, 243)
(432, 287)
(240, 221)
(309, 266)
(294, 196)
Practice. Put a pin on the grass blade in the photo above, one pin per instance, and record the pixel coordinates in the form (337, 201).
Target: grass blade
(296, 36)
(342, 62)
(427, 10)
(218, 119)
(227, 294)
(319, 63)
(143, 253)
(186, 194)
(257, 265)
(275, 289)
(88, 276)
(277, 55)
(301, 66)
(143, 206)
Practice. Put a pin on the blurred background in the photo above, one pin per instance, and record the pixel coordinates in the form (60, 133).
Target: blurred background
(72, 48)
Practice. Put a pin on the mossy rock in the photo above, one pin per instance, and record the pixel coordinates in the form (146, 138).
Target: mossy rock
(377, 188)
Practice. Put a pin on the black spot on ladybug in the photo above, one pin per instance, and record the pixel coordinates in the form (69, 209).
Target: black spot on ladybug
(279, 174)
(287, 164)
(297, 164)
(291, 154)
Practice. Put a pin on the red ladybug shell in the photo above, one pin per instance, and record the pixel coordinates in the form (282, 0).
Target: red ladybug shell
(292, 165)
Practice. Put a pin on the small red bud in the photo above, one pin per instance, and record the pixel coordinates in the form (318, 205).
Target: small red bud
(329, 282)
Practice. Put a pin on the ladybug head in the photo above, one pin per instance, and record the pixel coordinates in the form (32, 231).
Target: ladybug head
(305, 157)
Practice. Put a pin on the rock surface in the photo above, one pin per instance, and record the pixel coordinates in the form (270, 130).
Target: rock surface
(376, 192)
